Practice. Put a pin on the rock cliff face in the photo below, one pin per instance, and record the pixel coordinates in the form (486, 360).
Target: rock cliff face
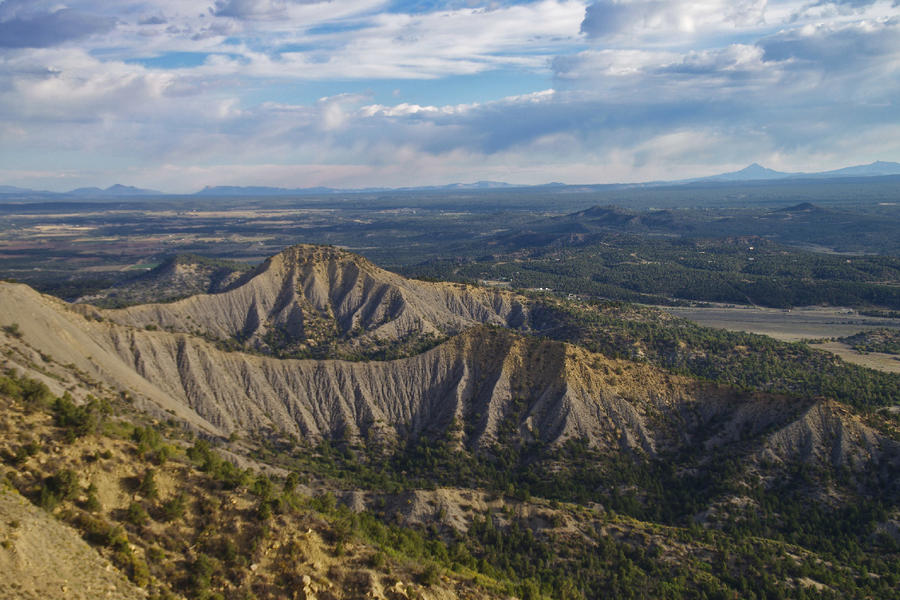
(315, 297)
(484, 385)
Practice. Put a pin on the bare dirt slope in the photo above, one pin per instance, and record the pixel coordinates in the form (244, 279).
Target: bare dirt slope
(43, 559)
(479, 386)
(52, 332)
(482, 378)
(309, 296)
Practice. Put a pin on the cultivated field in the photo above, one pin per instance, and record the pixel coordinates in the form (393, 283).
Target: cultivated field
(873, 360)
(785, 325)
(800, 324)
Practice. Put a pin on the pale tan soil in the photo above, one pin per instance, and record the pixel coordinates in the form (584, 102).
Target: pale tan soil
(44, 559)
(790, 326)
(890, 363)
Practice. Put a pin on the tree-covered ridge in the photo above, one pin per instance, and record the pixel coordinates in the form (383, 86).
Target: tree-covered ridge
(745, 360)
(642, 268)
(879, 340)
(174, 278)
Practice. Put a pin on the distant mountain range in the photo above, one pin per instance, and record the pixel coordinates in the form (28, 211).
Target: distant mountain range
(116, 191)
(113, 191)
(757, 172)
(753, 172)
(230, 190)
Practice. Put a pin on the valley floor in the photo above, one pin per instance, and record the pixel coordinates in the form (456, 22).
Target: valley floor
(812, 322)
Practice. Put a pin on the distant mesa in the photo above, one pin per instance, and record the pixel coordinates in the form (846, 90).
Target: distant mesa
(117, 190)
(877, 168)
(617, 217)
(235, 190)
(11, 189)
(757, 172)
(478, 185)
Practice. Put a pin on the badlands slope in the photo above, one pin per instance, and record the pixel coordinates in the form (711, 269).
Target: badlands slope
(483, 380)
(313, 296)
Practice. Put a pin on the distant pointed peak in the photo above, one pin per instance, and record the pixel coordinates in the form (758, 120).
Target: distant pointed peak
(756, 168)
(750, 172)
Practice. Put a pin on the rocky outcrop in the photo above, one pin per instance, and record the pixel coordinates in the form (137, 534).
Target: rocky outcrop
(826, 435)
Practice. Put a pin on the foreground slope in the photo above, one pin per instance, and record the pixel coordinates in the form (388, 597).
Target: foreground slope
(41, 558)
(179, 521)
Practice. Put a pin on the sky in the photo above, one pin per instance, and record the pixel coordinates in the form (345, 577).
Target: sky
(176, 95)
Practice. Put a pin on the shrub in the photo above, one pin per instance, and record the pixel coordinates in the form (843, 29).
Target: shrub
(200, 572)
(227, 473)
(92, 503)
(174, 507)
(262, 487)
(147, 487)
(163, 454)
(430, 575)
(34, 393)
(290, 482)
(147, 439)
(95, 530)
(156, 554)
(56, 488)
(77, 420)
(264, 510)
(136, 514)
(13, 330)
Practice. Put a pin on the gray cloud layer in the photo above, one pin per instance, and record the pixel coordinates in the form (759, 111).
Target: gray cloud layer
(51, 28)
(641, 90)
